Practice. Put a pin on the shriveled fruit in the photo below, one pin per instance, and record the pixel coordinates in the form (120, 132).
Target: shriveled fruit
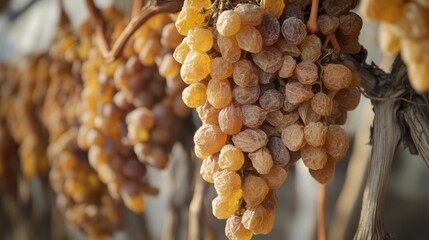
(275, 177)
(258, 219)
(293, 137)
(228, 23)
(324, 174)
(294, 30)
(321, 104)
(249, 39)
(297, 92)
(219, 93)
(311, 48)
(271, 100)
(231, 119)
(210, 138)
(348, 98)
(200, 39)
(250, 140)
(254, 190)
(181, 52)
(195, 67)
(194, 95)
(314, 157)
(245, 74)
(278, 150)
(337, 142)
(223, 207)
(231, 158)
(228, 183)
(250, 14)
(269, 59)
(315, 134)
(246, 95)
(261, 160)
(253, 116)
(269, 29)
(288, 67)
(328, 24)
(208, 114)
(336, 76)
(306, 72)
(209, 168)
(234, 229)
(220, 68)
(229, 48)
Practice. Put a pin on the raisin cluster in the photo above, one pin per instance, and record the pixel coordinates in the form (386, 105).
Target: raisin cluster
(268, 92)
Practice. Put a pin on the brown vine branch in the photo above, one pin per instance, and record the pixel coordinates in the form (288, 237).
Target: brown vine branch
(137, 6)
(152, 8)
(396, 121)
(321, 218)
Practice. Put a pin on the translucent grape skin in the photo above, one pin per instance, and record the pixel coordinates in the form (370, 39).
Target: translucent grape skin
(269, 29)
(249, 39)
(294, 30)
(250, 14)
(228, 23)
(219, 93)
(231, 119)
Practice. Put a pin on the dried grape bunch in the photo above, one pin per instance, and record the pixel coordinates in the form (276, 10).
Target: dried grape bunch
(404, 29)
(267, 91)
(132, 107)
(8, 149)
(23, 96)
(81, 195)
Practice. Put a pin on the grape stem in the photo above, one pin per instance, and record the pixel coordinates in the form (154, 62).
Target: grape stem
(137, 6)
(321, 224)
(312, 25)
(330, 38)
(64, 19)
(152, 8)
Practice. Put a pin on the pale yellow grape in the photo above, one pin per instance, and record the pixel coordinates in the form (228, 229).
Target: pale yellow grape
(194, 95)
(196, 67)
(228, 23)
(231, 158)
(200, 39)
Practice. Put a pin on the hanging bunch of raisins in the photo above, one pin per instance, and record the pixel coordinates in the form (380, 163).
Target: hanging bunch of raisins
(270, 86)
(132, 108)
(81, 196)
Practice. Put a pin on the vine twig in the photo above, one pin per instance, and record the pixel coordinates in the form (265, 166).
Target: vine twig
(321, 216)
(152, 8)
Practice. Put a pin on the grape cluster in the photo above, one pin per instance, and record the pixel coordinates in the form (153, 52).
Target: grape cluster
(81, 196)
(268, 93)
(22, 98)
(132, 108)
(8, 148)
(404, 28)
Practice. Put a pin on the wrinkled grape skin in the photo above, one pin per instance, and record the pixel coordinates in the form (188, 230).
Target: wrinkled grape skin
(269, 29)
(231, 119)
(246, 95)
(250, 14)
(245, 74)
(249, 39)
(219, 93)
(228, 23)
(294, 30)
(270, 60)
(210, 138)
(271, 100)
